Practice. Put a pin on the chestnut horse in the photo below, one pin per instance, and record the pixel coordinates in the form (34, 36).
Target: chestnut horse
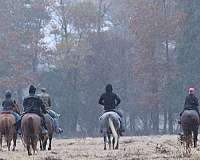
(8, 129)
(190, 125)
(31, 130)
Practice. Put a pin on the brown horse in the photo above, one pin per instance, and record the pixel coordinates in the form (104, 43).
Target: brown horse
(31, 130)
(8, 129)
(190, 125)
(51, 129)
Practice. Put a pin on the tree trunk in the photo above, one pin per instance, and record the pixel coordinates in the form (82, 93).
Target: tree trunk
(170, 121)
(132, 123)
(165, 122)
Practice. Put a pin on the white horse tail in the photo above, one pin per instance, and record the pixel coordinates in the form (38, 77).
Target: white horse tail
(113, 130)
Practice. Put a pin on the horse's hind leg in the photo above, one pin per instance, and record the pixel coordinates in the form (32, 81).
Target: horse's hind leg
(14, 141)
(104, 139)
(9, 142)
(41, 146)
(195, 134)
(50, 139)
(1, 142)
(28, 146)
(109, 141)
(113, 143)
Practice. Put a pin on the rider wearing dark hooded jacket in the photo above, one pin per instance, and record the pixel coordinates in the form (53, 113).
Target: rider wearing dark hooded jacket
(33, 104)
(110, 101)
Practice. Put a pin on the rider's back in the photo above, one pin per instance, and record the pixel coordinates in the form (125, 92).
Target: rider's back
(108, 99)
(32, 104)
(191, 102)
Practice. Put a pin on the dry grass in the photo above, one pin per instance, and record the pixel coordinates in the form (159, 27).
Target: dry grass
(131, 148)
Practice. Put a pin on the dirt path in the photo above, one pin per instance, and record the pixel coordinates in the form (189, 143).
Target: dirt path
(131, 148)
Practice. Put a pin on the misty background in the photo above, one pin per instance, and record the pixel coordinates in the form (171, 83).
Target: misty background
(148, 50)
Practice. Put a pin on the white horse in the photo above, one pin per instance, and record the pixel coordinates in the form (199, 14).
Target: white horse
(110, 125)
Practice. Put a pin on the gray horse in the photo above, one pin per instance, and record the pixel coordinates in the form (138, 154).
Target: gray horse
(190, 125)
(110, 125)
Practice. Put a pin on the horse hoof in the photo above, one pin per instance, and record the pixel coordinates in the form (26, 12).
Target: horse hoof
(49, 149)
(35, 153)
(13, 149)
(30, 154)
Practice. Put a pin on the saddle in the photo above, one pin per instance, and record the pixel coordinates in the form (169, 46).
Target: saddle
(6, 112)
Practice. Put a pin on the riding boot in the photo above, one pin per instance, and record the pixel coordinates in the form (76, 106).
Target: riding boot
(57, 128)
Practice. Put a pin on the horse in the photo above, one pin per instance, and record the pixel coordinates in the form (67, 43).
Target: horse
(110, 125)
(8, 129)
(51, 129)
(190, 125)
(31, 130)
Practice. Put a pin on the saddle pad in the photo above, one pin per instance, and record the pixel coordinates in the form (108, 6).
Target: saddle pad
(6, 112)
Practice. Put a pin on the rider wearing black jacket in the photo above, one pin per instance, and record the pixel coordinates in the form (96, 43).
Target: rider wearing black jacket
(110, 101)
(191, 102)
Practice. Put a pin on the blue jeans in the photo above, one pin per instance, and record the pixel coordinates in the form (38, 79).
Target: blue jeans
(53, 114)
(17, 116)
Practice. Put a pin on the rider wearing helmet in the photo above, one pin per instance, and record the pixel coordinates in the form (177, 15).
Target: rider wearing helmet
(110, 101)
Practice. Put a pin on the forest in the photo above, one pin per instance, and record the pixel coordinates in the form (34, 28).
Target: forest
(147, 49)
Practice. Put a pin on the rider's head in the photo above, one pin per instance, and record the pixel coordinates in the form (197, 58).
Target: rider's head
(32, 89)
(109, 88)
(8, 94)
(191, 90)
(43, 90)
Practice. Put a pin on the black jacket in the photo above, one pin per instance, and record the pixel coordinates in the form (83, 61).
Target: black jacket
(109, 100)
(191, 102)
(33, 104)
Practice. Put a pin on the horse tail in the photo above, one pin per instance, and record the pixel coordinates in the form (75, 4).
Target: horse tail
(113, 130)
(30, 126)
(7, 128)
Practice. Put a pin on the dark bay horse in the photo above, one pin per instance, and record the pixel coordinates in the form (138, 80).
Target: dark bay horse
(110, 126)
(8, 129)
(31, 130)
(190, 125)
(51, 129)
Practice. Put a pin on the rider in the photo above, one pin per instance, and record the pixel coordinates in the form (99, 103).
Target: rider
(110, 101)
(191, 102)
(33, 104)
(45, 97)
(8, 104)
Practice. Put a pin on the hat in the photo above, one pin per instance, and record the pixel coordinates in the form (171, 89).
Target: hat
(32, 89)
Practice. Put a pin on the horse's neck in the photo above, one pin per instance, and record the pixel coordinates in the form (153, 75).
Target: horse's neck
(17, 109)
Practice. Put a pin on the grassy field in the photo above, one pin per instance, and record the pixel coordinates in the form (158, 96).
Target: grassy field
(131, 148)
